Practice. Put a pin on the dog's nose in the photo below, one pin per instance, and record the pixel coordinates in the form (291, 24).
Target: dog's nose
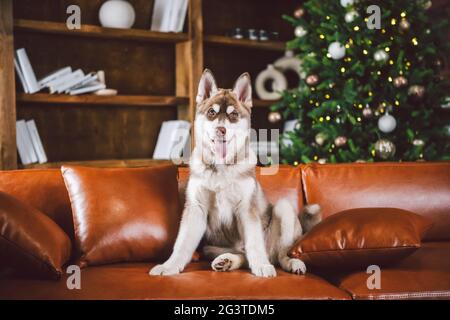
(221, 131)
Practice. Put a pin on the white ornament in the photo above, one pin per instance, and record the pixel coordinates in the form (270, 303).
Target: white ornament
(117, 14)
(380, 55)
(290, 62)
(346, 3)
(279, 83)
(336, 50)
(300, 31)
(387, 123)
(350, 16)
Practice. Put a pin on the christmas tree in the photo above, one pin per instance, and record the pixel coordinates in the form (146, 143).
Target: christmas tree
(372, 89)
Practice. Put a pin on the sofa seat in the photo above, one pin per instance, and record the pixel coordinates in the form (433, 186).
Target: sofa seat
(131, 281)
(423, 275)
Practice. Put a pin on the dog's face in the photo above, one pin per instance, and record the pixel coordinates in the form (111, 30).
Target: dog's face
(222, 119)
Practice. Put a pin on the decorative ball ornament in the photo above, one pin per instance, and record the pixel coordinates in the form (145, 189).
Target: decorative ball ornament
(350, 16)
(427, 4)
(322, 161)
(367, 112)
(400, 81)
(416, 91)
(387, 123)
(274, 117)
(340, 141)
(404, 25)
(384, 149)
(380, 55)
(278, 83)
(299, 12)
(336, 50)
(418, 142)
(346, 3)
(312, 79)
(300, 31)
(117, 14)
(320, 138)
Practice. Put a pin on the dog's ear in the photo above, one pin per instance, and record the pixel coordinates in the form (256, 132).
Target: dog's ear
(207, 86)
(243, 89)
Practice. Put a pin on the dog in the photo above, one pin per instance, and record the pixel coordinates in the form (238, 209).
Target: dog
(225, 205)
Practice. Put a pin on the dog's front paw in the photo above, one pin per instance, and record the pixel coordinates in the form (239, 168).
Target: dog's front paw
(296, 266)
(226, 262)
(164, 270)
(264, 270)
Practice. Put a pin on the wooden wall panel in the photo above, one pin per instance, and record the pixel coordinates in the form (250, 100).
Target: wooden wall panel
(97, 132)
(8, 151)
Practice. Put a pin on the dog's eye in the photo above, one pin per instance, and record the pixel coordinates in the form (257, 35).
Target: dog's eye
(211, 113)
(234, 115)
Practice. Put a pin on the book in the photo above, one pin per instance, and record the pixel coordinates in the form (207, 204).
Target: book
(75, 80)
(54, 85)
(28, 154)
(21, 78)
(27, 71)
(89, 79)
(36, 141)
(158, 13)
(167, 14)
(181, 14)
(54, 75)
(86, 89)
(171, 139)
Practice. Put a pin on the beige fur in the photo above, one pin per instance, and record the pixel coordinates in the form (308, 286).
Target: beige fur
(225, 204)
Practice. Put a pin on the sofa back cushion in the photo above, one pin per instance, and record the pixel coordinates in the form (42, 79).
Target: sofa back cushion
(423, 188)
(42, 189)
(285, 183)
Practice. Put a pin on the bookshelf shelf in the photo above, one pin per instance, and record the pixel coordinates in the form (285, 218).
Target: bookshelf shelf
(99, 32)
(263, 103)
(227, 41)
(118, 100)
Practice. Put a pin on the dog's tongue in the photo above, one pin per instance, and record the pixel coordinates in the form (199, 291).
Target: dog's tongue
(221, 148)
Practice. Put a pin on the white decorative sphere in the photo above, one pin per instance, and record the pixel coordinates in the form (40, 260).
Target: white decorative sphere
(350, 16)
(117, 14)
(387, 123)
(346, 3)
(300, 31)
(380, 55)
(336, 50)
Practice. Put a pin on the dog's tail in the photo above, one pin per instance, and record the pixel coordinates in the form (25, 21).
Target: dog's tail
(310, 216)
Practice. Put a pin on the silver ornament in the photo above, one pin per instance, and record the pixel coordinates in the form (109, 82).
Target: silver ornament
(416, 91)
(320, 138)
(418, 142)
(336, 50)
(350, 16)
(384, 149)
(367, 112)
(387, 123)
(380, 55)
(300, 31)
(346, 3)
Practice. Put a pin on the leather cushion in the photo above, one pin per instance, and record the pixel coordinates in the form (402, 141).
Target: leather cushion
(423, 275)
(43, 189)
(30, 242)
(357, 238)
(421, 187)
(197, 281)
(123, 214)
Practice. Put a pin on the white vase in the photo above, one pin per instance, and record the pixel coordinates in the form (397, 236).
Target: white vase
(279, 83)
(117, 14)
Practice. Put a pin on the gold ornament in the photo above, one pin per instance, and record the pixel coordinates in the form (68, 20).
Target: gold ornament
(400, 81)
(404, 25)
(312, 79)
(274, 116)
(384, 149)
(320, 138)
(299, 12)
(340, 141)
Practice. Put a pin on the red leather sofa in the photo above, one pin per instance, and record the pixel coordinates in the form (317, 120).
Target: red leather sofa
(423, 188)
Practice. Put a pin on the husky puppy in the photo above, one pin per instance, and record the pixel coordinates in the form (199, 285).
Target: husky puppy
(225, 204)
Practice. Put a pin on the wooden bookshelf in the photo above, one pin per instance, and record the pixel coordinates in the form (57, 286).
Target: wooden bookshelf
(90, 99)
(98, 32)
(252, 44)
(155, 73)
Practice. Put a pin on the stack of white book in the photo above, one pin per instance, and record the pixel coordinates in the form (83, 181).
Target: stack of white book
(172, 140)
(169, 15)
(64, 80)
(29, 145)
